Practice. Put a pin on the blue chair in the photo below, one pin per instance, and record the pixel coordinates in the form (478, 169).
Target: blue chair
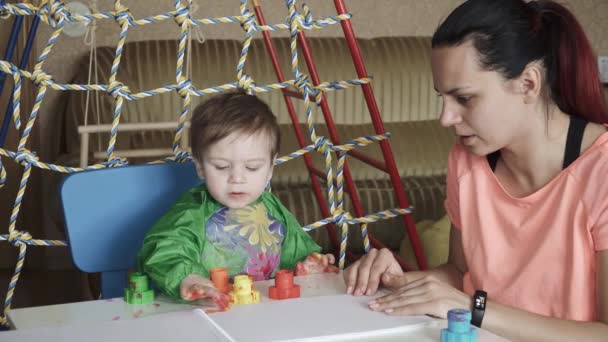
(108, 213)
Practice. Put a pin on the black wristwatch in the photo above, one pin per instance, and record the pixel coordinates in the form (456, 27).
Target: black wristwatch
(479, 307)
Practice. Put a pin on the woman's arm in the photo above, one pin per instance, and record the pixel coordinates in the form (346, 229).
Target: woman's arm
(520, 325)
(435, 294)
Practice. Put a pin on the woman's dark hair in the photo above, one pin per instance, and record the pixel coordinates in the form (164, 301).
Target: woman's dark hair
(510, 34)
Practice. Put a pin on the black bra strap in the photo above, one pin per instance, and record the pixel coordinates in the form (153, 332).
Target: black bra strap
(493, 159)
(576, 130)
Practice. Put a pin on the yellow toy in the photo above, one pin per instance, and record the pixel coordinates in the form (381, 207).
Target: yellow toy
(243, 292)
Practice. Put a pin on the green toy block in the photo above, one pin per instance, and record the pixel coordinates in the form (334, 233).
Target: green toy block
(146, 297)
(138, 282)
(138, 292)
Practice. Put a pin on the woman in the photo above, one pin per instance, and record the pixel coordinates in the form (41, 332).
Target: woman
(526, 189)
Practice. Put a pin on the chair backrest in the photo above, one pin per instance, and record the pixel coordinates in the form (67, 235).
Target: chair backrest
(108, 213)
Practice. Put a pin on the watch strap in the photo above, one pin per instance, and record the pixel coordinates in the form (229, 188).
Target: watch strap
(479, 307)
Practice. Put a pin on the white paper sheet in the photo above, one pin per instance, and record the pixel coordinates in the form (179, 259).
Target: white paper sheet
(326, 318)
(178, 326)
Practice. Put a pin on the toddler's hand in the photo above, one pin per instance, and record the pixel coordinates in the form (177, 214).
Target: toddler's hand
(194, 287)
(317, 263)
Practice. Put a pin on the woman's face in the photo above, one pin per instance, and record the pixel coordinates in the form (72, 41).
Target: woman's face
(486, 111)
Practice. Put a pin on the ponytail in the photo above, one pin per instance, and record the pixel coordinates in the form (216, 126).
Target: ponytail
(572, 69)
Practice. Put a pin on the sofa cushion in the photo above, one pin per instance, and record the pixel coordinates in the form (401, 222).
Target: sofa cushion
(435, 240)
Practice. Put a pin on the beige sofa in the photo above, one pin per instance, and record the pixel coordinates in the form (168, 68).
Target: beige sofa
(402, 84)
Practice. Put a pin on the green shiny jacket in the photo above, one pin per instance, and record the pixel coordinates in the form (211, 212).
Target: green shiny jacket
(173, 248)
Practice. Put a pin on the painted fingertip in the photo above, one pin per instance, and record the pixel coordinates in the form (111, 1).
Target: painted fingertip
(388, 311)
(349, 290)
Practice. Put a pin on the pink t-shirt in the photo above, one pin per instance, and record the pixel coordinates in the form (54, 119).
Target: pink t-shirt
(536, 253)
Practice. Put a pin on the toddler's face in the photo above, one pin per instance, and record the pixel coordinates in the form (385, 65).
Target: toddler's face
(237, 168)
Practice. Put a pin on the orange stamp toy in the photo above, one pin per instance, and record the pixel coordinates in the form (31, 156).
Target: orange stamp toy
(284, 287)
(219, 277)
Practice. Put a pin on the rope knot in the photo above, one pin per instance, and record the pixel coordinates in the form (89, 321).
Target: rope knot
(340, 217)
(321, 143)
(41, 78)
(17, 237)
(184, 87)
(246, 82)
(305, 22)
(182, 14)
(58, 14)
(123, 14)
(248, 21)
(316, 93)
(25, 156)
(117, 89)
(303, 83)
(116, 162)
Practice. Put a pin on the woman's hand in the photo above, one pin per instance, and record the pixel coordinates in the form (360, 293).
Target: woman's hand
(364, 276)
(419, 295)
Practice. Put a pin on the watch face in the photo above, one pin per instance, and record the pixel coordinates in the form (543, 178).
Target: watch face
(480, 302)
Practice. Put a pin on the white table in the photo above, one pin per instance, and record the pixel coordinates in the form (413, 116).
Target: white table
(116, 309)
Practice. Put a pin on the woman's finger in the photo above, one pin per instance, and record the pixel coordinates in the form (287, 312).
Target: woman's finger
(420, 291)
(363, 272)
(415, 287)
(399, 301)
(350, 277)
(421, 308)
(380, 266)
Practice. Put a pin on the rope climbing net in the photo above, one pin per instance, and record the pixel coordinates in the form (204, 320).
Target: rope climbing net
(56, 14)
